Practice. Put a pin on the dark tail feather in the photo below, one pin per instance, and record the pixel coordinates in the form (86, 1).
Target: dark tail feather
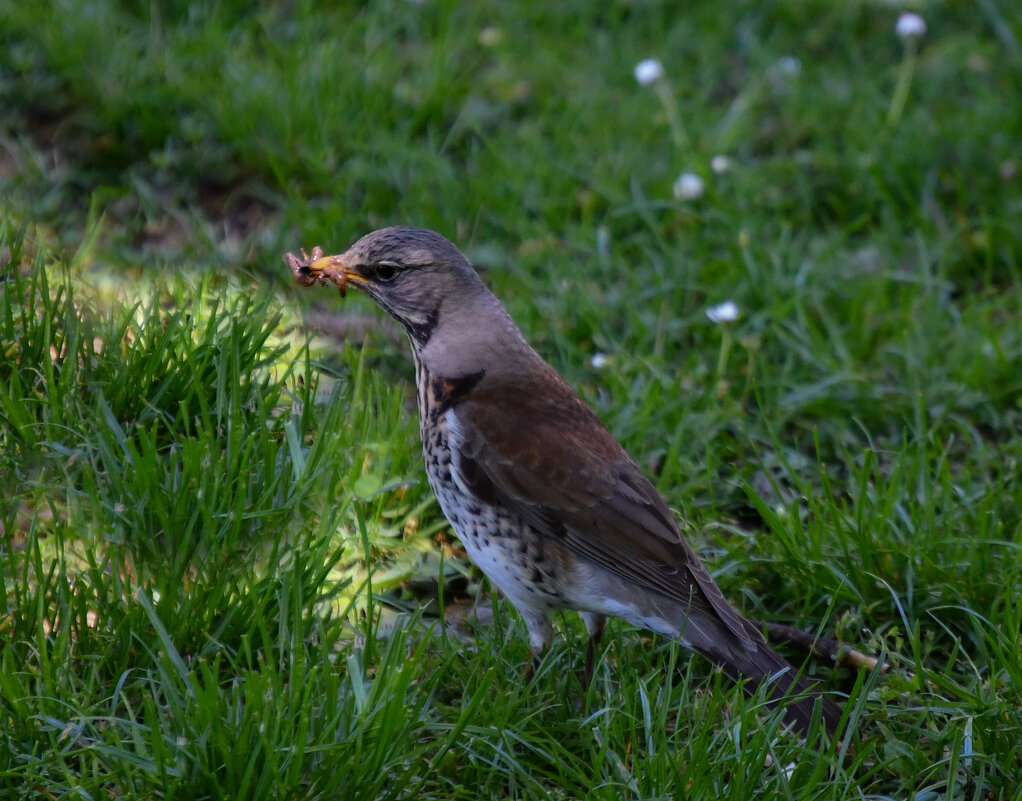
(793, 694)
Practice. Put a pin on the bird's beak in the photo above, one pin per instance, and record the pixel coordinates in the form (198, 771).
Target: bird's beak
(324, 263)
(319, 269)
(336, 269)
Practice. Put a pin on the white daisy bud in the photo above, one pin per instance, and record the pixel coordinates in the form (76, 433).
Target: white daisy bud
(726, 312)
(910, 26)
(689, 186)
(649, 71)
(720, 165)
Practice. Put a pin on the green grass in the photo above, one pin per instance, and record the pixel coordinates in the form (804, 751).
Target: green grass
(224, 574)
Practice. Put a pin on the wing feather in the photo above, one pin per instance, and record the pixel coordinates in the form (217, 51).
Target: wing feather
(562, 471)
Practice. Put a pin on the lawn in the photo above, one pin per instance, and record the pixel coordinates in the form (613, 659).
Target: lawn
(787, 273)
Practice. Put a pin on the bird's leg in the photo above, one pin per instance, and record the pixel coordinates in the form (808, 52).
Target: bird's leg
(541, 634)
(594, 625)
(531, 665)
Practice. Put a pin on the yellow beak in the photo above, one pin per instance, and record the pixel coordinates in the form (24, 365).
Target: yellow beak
(322, 269)
(324, 263)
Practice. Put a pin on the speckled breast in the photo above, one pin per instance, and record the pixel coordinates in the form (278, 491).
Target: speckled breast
(502, 545)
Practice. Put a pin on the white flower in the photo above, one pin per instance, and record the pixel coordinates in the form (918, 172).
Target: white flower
(726, 312)
(491, 36)
(648, 71)
(599, 361)
(910, 26)
(689, 186)
(789, 65)
(720, 165)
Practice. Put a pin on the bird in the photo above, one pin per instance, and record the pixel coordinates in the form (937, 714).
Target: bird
(542, 496)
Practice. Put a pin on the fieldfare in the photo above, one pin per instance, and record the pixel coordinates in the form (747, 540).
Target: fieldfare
(541, 495)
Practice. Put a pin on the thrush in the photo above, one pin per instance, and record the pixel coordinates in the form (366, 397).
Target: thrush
(545, 501)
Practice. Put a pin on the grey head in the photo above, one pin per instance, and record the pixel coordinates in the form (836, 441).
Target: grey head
(454, 323)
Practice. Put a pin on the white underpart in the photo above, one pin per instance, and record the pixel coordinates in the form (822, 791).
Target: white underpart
(597, 591)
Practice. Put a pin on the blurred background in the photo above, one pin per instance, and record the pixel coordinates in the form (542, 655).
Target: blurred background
(220, 130)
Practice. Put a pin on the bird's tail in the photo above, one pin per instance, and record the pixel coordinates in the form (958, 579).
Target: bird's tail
(755, 664)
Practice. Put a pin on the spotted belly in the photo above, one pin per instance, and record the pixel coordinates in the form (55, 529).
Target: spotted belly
(513, 557)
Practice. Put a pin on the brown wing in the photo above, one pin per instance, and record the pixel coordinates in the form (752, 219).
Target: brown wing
(560, 468)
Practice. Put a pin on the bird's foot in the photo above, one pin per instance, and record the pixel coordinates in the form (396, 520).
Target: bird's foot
(595, 625)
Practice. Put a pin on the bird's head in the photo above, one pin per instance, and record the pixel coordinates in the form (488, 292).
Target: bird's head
(455, 324)
(414, 275)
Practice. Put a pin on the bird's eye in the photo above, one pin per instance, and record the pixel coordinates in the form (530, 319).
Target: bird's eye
(385, 271)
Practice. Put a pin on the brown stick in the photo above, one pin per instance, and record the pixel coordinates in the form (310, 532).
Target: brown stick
(824, 647)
